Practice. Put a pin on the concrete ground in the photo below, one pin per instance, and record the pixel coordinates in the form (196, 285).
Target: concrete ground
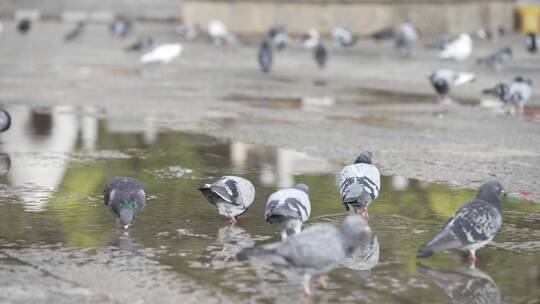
(370, 99)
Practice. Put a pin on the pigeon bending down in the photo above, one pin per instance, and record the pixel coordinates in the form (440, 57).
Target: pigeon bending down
(120, 27)
(469, 286)
(321, 55)
(5, 120)
(444, 80)
(472, 227)
(24, 26)
(141, 44)
(265, 56)
(406, 35)
(232, 195)
(343, 37)
(497, 59)
(515, 94)
(163, 53)
(288, 208)
(76, 32)
(360, 184)
(314, 252)
(459, 49)
(125, 197)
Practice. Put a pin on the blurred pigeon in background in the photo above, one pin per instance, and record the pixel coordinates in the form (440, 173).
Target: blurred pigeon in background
(514, 95)
(314, 252)
(125, 197)
(220, 34)
(532, 41)
(491, 33)
(321, 55)
(232, 195)
(440, 42)
(5, 120)
(459, 49)
(472, 227)
(497, 59)
(141, 44)
(311, 39)
(464, 286)
(279, 37)
(189, 31)
(360, 184)
(163, 53)
(383, 34)
(288, 208)
(343, 37)
(120, 27)
(265, 56)
(76, 32)
(406, 35)
(24, 25)
(443, 80)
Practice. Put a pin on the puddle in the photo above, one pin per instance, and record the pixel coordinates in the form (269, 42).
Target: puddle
(52, 216)
(381, 122)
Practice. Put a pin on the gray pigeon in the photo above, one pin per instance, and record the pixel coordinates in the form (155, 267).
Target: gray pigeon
(498, 59)
(383, 34)
(232, 195)
(360, 184)
(321, 55)
(265, 56)
(120, 27)
(473, 226)
(515, 94)
(406, 35)
(288, 208)
(440, 42)
(314, 252)
(125, 197)
(5, 120)
(141, 44)
(444, 80)
(532, 40)
(469, 286)
(343, 37)
(76, 32)
(24, 26)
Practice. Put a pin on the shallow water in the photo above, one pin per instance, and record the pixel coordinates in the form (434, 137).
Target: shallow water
(55, 163)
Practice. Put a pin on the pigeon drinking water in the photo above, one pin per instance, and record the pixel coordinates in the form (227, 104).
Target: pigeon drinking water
(76, 32)
(472, 227)
(163, 53)
(360, 184)
(232, 195)
(444, 80)
(314, 252)
(125, 197)
(288, 208)
(497, 59)
(5, 120)
(265, 56)
(515, 94)
(459, 49)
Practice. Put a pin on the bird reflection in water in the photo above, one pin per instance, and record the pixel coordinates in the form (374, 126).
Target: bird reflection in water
(5, 164)
(230, 240)
(364, 258)
(122, 240)
(468, 285)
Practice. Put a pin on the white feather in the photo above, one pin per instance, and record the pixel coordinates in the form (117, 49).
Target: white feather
(459, 49)
(164, 53)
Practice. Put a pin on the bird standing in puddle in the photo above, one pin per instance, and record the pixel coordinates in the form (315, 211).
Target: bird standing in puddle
(125, 197)
(289, 208)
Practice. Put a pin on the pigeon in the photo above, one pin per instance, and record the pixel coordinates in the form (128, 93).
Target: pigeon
(343, 37)
(189, 31)
(491, 33)
(406, 35)
(232, 195)
(444, 80)
(440, 42)
(497, 59)
(265, 56)
(532, 41)
(163, 53)
(24, 26)
(383, 34)
(459, 49)
(472, 227)
(218, 32)
(279, 38)
(5, 120)
(311, 39)
(75, 32)
(5, 164)
(515, 94)
(315, 251)
(141, 44)
(288, 208)
(360, 184)
(120, 27)
(125, 197)
(468, 286)
(321, 55)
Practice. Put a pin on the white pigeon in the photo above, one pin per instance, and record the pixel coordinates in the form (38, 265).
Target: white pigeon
(218, 31)
(459, 49)
(311, 39)
(164, 53)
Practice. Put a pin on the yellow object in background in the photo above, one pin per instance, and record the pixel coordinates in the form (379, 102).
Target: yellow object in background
(530, 18)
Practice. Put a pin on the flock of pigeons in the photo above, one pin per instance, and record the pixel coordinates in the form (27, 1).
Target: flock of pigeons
(317, 250)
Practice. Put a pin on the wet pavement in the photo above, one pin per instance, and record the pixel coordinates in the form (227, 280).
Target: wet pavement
(59, 244)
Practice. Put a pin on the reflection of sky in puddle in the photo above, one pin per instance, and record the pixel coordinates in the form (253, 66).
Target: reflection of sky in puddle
(62, 157)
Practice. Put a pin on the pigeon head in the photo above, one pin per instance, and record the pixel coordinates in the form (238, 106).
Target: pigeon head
(490, 191)
(126, 217)
(302, 187)
(364, 158)
(354, 228)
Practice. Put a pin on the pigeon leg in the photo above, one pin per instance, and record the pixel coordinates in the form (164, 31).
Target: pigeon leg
(472, 257)
(283, 234)
(233, 221)
(365, 213)
(321, 282)
(305, 284)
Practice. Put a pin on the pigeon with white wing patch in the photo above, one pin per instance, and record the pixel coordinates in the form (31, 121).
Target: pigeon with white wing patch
(444, 80)
(459, 49)
(164, 53)
(288, 208)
